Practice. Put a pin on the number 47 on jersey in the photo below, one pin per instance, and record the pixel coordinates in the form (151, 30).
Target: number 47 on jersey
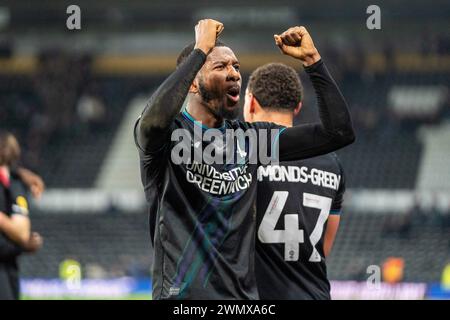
(292, 236)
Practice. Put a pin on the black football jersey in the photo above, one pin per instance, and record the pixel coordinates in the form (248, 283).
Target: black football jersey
(13, 200)
(294, 200)
(202, 218)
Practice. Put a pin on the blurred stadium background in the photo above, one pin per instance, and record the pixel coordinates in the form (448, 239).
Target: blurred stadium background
(72, 97)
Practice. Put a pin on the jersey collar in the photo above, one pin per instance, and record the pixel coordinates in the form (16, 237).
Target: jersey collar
(187, 116)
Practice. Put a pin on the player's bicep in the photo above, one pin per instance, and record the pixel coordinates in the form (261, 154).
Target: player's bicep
(20, 216)
(153, 159)
(330, 232)
(18, 224)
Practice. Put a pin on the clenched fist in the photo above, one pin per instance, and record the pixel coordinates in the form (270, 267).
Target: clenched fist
(206, 33)
(297, 43)
(35, 242)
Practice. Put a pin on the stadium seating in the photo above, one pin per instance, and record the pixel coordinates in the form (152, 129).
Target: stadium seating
(117, 243)
(367, 239)
(379, 161)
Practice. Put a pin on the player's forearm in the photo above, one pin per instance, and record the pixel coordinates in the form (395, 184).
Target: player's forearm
(18, 230)
(330, 233)
(333, 110)
(333, 132)
(327, 246)
(168, 99)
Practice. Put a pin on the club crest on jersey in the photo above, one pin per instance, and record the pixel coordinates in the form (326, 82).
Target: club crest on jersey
(173, 291)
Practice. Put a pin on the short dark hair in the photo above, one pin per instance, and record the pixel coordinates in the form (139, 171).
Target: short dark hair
(190, 47)
(9, 149)
(276, 85)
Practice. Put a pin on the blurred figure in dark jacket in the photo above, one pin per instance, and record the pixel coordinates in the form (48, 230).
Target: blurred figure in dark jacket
(15, 228)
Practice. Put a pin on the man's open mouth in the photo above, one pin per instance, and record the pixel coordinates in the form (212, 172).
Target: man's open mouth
(233, 93)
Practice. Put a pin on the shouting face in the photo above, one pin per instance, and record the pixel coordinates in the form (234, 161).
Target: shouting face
(219, 83)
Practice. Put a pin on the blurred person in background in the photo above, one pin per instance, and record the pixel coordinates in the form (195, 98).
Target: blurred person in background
(15, 228)
(290, 259)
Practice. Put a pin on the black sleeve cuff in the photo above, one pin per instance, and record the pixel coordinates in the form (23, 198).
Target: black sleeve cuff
(314, 67)
(200, 52)
(196, 56)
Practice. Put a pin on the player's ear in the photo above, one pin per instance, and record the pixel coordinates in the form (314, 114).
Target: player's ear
(253, 104)
(297, 109)
(194, 86)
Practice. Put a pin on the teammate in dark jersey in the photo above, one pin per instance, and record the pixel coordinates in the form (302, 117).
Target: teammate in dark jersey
(298, 202)
(15, 236)
(204, 237)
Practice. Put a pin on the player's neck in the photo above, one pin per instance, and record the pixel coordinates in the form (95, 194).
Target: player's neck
(202, 114)
(280, 118)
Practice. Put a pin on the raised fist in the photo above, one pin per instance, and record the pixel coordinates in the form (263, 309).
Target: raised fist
(206, 33)
(297, 43)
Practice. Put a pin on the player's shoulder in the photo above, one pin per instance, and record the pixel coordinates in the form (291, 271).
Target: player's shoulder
(18, 187)
(335, 158)
(19, 194)
(335, 161)
(327, 162)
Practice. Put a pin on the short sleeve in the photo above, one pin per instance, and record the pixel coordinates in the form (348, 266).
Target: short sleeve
(19, 198)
